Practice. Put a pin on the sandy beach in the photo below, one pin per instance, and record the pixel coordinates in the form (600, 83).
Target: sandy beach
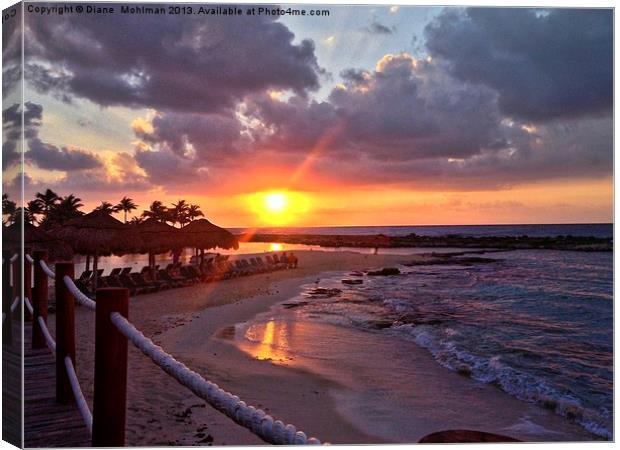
(196, 325)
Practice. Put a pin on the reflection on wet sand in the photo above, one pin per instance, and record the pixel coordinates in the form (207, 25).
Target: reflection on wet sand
(269, 341)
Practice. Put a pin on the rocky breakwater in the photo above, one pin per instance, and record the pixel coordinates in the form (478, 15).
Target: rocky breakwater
(575, 243)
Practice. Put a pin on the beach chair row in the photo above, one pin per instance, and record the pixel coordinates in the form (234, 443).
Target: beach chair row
(177, 275)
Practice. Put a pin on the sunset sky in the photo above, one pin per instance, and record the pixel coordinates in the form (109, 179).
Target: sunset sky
(371, 116)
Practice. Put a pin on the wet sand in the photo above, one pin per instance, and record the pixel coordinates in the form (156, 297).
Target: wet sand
(193, 324)
(162, 412)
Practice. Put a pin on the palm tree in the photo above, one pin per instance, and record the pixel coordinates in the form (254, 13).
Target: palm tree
(68, 208)
(48, 200)
(194, 212)
(180, 210)
(33, 208)
(157, 211)
(126, 205)
(106, 207)
(136, 220)
(8, 208)
(20, 214)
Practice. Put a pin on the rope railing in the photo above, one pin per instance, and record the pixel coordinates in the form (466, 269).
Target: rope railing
(256, 420)
(29, 258)
(28, 305)
(79, 395)
(47, 270)
(15, 304)
(49, 340)
(14, 258)
(82, 298)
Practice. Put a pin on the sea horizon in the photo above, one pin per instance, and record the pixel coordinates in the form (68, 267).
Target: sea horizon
(600, 229)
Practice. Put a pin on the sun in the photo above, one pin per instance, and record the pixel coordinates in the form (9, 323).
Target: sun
(278, 207)
(276, 202)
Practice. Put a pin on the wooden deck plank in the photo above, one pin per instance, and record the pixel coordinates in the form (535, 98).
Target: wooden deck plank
(47, 423)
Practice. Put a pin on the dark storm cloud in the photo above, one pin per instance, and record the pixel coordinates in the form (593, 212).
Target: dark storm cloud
(407, 109)
(11, 52)
(166, 168)
(181, 63)
(543, 64)
(50, 157)
(10, 154)
(39, 153)
(11, 127)
(12, 115)
(212, 137)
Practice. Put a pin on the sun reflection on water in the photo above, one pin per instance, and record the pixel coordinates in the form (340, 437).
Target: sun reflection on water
(269, 340)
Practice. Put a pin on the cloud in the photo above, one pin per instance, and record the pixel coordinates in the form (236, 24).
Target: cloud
(50, 157)
(171, 63)
(411, 122)
(12, 130)
(543, 66)
(166, 168)
(405, 109)
(205, 137)
(11, 52)
(378, 28)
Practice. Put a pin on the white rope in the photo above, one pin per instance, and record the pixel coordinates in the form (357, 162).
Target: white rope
(261, 424)
(79, 396)
(51, 343)
(15, 304)
(29, 305)
(29, 258)
(46, 269)
(79, 295)
(14, 257)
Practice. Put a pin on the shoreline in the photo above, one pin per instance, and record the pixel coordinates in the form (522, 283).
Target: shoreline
(159, 410)
(495, 411)
(188, 323)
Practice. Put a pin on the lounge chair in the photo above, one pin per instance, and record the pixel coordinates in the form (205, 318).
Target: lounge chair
(189, 274)
(134, 288)
(139, 280)
(85, 275)
(174, 281)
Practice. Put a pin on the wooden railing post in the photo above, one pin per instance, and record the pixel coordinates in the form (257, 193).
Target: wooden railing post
(17, 280)
(27, 284)
(39, 298)
(7, 298)
(65, 331)
(110, 391)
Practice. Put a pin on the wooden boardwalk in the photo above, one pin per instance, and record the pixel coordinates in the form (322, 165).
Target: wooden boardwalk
(46, 422)
(11, 389)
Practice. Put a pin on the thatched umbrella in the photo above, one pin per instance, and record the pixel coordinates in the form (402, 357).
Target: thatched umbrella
(98, 234)
(37, 239)
(203, 234)
(157, 237)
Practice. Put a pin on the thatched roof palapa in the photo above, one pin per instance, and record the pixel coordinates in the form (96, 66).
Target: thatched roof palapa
(203, 234)
(37, 239)
(98, 233)
(158, 237)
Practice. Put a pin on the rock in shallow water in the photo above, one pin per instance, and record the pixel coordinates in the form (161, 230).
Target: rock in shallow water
(384, 272)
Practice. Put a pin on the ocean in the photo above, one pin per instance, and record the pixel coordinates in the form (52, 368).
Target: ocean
(536, 324)
(247, 248)
(533, 230)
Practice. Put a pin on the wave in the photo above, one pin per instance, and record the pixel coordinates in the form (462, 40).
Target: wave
(493, 370)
